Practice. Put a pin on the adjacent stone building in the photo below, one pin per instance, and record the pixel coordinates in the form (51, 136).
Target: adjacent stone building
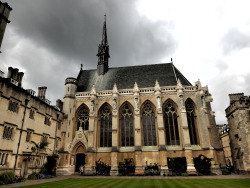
(25, 117)
(224, 136)
(4, 15)
(238, 117)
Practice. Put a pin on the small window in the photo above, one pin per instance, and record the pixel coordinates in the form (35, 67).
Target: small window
(2, 159)
(32, 112)
(13, 106)
(58, 125)
(45, 138)
(7, 133)
(46, 120)
(6, 157)
(28, 136)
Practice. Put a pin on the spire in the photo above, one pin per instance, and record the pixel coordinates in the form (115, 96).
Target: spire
(103, 51)
(104, 33)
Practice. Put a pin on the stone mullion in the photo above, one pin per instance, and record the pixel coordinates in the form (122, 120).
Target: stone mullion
(114, 151)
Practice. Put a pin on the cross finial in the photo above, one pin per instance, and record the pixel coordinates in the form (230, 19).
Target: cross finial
(81, 66)
(105, 17)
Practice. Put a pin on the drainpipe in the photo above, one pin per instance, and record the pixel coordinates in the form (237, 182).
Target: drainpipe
(57, 122)
(21, 131)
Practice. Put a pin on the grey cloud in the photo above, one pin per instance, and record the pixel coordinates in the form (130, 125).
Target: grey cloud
(63, 34)
(235, 40)
(73, 30)
(223, 85)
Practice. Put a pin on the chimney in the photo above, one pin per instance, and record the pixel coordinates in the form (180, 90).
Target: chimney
(20, 78)
(59, 104)
(41, 92)
(15, 74)
(10, 70)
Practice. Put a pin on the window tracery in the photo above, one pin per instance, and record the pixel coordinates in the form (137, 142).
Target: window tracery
(83, 119)
(106, 127)
(171, 125)
(127, 127)
(148, 125)
(191, 123)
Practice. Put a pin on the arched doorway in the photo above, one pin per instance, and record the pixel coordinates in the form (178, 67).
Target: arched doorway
(80, 154)
(80, 160)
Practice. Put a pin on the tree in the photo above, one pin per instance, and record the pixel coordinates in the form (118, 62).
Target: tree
(37, 148)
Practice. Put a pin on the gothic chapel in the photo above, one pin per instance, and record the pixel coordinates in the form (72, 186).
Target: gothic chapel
(116, 113)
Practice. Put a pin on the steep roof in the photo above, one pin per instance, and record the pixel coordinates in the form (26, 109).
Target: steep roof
(125, 77)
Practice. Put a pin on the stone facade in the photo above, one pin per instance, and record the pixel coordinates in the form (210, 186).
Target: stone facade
(238, 117)
(148, 113)
(208, 143)
(4, 15)
(224, 136)
(25, 118)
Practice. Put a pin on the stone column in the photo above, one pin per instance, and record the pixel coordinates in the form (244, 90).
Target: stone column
(139, 169)
(161, 132)
(204, 126)
(184, 125)
(115, 133)
(89, 168)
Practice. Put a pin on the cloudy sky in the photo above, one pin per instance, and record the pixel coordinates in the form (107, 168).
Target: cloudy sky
(208, 40)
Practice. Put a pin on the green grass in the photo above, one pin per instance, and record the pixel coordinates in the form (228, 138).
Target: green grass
(147, 183)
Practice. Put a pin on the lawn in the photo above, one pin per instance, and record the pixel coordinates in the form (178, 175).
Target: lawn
(150, 183)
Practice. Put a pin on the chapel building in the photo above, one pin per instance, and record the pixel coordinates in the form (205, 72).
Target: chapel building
(149, 113)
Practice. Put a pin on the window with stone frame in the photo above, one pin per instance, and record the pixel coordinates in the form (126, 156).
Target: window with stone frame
(46, 120)
(191, 118)
(149, 125)
(28, 135)
(7, 132)
(58, 125)
(45, 138)
(83, 119)
(126, 126)
(171, 125)
(32, 112)
(3, 159)
(105, 126)
(13, 106)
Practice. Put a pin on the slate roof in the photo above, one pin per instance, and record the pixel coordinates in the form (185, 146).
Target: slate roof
(125, 77)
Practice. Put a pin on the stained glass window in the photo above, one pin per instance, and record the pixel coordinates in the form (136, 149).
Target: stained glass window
(127, 127)
(83, 119)
(148, 122)
(191, 123)
(106, 127)
(171, 125)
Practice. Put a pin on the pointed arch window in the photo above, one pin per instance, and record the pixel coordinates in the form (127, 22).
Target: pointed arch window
(83, 119)
(148, 125)
(191, 118)
(106, 127)
(127, 127)
(171, 125)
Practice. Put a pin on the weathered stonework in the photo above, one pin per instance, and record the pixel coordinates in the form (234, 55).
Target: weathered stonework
(238, 117)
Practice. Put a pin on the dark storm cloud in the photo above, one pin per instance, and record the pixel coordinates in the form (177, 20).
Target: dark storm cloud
(57, 36)
(72, 29)
(235, 40)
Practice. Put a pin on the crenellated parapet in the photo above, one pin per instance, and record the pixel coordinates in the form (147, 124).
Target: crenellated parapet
(70, 80)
